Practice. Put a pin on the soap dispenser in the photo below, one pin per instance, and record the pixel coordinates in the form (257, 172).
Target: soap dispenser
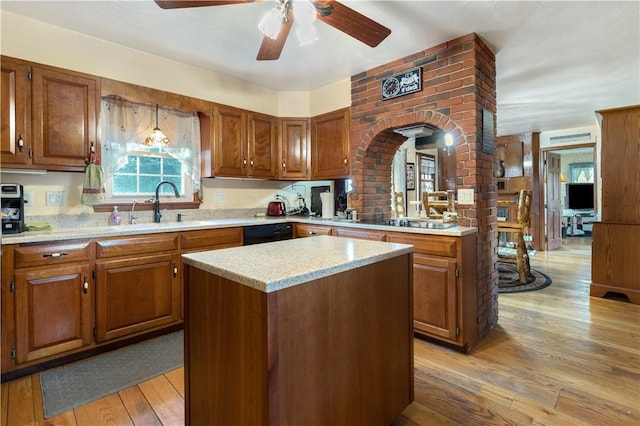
(115, 218)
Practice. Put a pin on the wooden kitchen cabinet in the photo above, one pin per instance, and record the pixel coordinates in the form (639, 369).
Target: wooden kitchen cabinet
(444, 290)
(52, 113)
(245, 144)
(294, 149)
(301, 230)
(65, 116)
(53, 299)
(137, 285)
(15, 110)
(330, 145)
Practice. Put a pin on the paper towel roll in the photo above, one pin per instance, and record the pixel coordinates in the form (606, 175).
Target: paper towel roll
(327, 204)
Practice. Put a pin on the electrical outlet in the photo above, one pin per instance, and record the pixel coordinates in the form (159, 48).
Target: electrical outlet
(56, 198)
(28, 198)
(465, 196)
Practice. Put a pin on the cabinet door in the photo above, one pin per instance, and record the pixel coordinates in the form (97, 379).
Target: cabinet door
(136, 294)
(230, 139)
(54, 310)
(64, 117)
(263, 147)
(294, 149)
(330, 145)
(15, 108)
(434, 297)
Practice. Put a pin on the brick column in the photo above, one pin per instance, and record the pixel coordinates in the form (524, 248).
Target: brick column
(458, 84)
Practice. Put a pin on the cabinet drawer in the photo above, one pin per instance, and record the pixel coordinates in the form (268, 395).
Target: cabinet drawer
(211, 238)
(427, 244)
(360, 234)
(51, 254)
(136, 245)
(304, 230)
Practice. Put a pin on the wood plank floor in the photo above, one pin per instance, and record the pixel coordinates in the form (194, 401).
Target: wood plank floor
(557, 357)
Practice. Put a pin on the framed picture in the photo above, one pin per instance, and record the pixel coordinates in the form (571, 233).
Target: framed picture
(411, 176)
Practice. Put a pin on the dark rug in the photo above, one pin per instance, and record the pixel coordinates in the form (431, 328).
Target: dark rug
(82, 382)
(509, 280)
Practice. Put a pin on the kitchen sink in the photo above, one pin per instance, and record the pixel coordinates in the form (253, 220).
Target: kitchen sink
(427, 224)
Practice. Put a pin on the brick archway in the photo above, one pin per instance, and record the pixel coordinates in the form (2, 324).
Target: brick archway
(458, 87)
(371, 194)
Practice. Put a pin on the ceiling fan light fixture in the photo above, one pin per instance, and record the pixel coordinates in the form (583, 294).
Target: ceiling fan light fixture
(304, 11)
(271, 23)
(157, 138)
(306, 34)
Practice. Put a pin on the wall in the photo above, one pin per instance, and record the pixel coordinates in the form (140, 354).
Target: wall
(25, 39)
(458, 83)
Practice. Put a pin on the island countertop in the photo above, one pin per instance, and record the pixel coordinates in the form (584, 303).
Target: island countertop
(274, 266)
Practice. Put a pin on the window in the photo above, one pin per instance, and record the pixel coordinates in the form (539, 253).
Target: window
(133, 170)
(581, 172)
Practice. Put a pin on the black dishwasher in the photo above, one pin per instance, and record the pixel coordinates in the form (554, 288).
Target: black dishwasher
(257, 234)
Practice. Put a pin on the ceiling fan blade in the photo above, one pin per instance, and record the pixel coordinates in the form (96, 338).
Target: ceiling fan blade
(351, 22)
(182, 4)
(271, 49)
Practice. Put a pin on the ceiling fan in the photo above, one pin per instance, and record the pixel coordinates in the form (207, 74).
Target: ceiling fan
(330, 12)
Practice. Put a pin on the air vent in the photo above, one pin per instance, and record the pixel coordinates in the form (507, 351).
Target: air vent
(577, 137)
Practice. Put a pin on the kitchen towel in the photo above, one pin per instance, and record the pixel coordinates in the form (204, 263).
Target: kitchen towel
(93, 188)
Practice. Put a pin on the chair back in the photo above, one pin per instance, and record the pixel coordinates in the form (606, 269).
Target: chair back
(524, 207)
(438, 201)
(398, 203)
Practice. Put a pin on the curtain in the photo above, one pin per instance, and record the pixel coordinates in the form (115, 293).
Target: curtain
(125, 124)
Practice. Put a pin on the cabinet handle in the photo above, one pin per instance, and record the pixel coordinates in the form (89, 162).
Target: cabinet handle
(175, 270)
(244, 162)
(345, 160)
(54, 255)
(20, 143)
(284, 166)
(85, 285)
(251, 164)
(312, 233)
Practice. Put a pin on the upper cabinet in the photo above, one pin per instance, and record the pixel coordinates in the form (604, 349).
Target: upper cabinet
(50, 120)
(245, 144)
(330, 145)
(15, 109)
(294, 148)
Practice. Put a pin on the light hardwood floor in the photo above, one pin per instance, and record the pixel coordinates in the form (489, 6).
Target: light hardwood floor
(556, 357)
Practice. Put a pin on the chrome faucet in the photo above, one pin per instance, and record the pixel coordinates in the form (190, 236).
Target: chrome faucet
(156, 203)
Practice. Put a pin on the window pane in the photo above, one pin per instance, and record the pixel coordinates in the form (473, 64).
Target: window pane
(150, 165)
(167, 189)
(131, 166)
(172, 167)
(148, 184)
(124, 184)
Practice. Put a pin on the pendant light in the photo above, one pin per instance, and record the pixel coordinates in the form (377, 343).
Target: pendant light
(157, 138)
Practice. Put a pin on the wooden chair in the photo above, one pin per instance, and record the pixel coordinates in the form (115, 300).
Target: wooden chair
(518, 230)
(437, 202)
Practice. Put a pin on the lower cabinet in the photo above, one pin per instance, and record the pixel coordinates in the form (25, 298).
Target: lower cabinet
(136, 294)
(301, 230)
(53, 311)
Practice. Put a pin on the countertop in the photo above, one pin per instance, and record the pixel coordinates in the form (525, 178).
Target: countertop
(274, 266)
(155, 228)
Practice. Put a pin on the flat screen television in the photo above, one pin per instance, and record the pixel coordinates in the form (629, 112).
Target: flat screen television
(580, 196)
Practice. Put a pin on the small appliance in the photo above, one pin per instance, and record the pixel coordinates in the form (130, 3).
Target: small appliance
(277, 207)
(12, 208)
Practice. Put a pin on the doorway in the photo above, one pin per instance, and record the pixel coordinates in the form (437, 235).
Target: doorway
(567, 171)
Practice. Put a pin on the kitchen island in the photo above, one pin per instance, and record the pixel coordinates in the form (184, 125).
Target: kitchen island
(299, 332)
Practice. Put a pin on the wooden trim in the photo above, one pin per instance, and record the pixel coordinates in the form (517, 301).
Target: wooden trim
(145, 206)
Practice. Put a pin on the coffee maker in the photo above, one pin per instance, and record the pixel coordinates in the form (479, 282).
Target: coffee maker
(12, 208)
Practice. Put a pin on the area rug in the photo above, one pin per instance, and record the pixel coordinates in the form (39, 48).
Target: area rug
(77, 384)
(509, 279)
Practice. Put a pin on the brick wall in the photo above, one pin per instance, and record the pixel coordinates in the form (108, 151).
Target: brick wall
(458, 84)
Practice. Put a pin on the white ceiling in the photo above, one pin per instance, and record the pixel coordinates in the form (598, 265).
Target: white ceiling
(557, 62)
